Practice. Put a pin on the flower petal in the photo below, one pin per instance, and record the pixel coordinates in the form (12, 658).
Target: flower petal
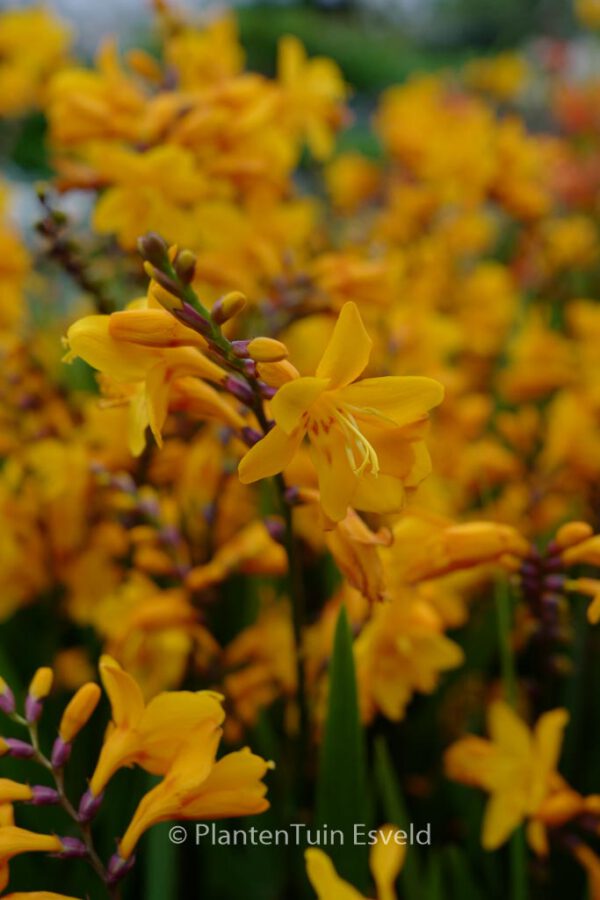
(270, 455)
(348, 350)
(400, 398)
(337, 481)
(293, 399)
(325, 880)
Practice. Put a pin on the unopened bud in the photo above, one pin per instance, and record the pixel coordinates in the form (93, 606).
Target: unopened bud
(72, 848)
(153, 248)
(7, 698)
(266, 349)
(44, 796)
(88, 806)
(40, 687)
(227, 307)
(118, 867)
(18, 749)
(185, 265)
(239, 389)
(187, 315)
(78, 711)
(61, 752)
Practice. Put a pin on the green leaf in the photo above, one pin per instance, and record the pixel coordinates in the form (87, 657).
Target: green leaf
(341, 786)
(396, 813)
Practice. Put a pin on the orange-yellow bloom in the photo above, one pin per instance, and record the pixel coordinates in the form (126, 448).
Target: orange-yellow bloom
(149, 736)
(196, 787)
(517, 767)
(366, 437)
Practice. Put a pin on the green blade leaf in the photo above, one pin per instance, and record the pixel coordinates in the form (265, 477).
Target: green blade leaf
(395, 812)
(341, 786)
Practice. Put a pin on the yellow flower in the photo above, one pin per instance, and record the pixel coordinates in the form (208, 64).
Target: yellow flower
(366, 438)
(33, 44)
(517, 767)
(151, 735)
(401, 650)
(128, 349)
(197, 787)
(386, 861)
(314, 95)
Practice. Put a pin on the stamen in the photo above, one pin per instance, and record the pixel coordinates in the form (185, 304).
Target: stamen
(356, 441)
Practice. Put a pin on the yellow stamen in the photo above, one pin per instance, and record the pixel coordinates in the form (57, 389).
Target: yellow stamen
(356, 441)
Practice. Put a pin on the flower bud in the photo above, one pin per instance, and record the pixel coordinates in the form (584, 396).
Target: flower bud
(7, 698)
(18, 749)
(89, 806)
(78, 711)
(72, 848)
(118, 867)
(153, 248)
(239, 389)
(40, 687)
(44, 796)
(227, 307)
(185, 265)
(266, 349)
(61, 753)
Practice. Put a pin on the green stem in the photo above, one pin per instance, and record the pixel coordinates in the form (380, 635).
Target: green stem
(518, 848)
(84, 829)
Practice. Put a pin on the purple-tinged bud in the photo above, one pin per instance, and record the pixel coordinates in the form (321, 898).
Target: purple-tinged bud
(240, 348)
(7, 698)
(72, 848)
(239, 389)
(117, 868)
(227, 307)
(153, 248)
(250, 368)
(276, 529)
(44, 796)
(61, 752)
(185, 265)
(189, 316)
(19, 749)
(33, 708)
(267, 392)
(250, 435)
(89, 806)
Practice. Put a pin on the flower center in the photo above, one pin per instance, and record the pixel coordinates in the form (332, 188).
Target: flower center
(360, 453)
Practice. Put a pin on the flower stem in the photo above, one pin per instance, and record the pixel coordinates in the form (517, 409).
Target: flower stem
(84, 828)
(518, 848)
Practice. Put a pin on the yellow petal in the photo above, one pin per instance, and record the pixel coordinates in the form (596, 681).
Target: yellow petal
(89, 338)
(270, 455)
(382, 494)
(508, 731)
(337, 481)
(168, 721)
(386, 860)
(503, 814)
(294, 398)
(124, 694)
(402, 399)
(348, 350)
(325, 880)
